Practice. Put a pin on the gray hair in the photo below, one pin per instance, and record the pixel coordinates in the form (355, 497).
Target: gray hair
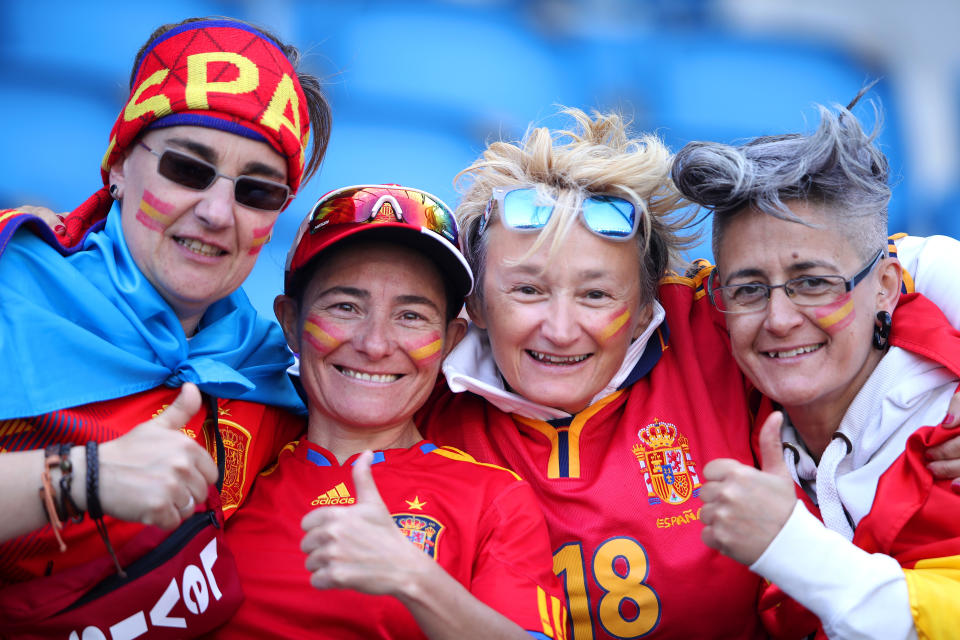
(838, 166)
(596, 156)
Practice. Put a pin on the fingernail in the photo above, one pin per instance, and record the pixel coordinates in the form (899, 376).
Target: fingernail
(948, 419)
(955, 485)
(60, 217)
(60, 230)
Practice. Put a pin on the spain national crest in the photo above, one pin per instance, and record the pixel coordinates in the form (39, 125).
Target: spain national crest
(668, 468)
(421, 531)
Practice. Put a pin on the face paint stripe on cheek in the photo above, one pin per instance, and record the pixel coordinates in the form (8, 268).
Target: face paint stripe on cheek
(323, 339)
(260, 238)
(154, 213)
(427, 352)
(837, 315)
(616, 325)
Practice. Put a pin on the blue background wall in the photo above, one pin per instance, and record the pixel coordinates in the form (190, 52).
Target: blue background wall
(418, 88)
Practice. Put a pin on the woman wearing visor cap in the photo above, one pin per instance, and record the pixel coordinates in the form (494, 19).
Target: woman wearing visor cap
(402, 538)
(601, 377)
(822, 322)
(99, 332)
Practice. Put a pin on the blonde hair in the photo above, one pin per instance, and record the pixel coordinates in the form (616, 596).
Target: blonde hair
(595, 156)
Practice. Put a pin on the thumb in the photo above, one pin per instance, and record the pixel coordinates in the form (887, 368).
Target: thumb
(952, 412)
(366, 488)
(184, 407)
(771, 446)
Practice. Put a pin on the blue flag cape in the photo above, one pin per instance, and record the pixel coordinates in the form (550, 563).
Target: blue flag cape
(89, 327)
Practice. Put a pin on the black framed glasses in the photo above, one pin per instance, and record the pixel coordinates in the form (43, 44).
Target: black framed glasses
(806, 291)
(199, 175)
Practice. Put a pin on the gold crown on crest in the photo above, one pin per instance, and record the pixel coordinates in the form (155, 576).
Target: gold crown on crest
(414, 524)
(658, 434)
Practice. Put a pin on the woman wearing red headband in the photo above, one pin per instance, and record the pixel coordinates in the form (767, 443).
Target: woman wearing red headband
(100, 331)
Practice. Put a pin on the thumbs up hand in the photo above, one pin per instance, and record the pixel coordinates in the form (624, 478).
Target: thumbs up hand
(366, 488)
(156, 474)
(744, 508)
(360, 546)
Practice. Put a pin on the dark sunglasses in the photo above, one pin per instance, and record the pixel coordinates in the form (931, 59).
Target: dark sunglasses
(384, 203)
(193, 173)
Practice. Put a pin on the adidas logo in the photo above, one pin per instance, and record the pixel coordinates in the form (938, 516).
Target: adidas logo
(337, 495)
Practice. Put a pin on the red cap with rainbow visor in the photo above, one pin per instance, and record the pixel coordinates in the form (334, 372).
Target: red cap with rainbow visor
(388, 213)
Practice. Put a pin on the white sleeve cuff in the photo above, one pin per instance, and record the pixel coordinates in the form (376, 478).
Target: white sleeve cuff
(854, 593)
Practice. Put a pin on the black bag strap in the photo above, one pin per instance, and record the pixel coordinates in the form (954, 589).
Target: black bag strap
(212, 423)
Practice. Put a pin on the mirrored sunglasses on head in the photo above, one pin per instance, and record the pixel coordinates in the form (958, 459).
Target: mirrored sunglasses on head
(384, 203)
(199, 175)
(611, 217)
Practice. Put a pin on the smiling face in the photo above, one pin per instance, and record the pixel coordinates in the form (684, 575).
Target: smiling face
(560, 329)
(811, 359)
(371, 332)
(195, 247)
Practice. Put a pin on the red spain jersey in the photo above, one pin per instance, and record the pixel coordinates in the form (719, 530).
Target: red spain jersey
(620, 481)
(252, 436)
(481, 523)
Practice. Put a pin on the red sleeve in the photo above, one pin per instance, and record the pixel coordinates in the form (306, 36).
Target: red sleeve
(513, 567)
(913, 519)
(916, 519)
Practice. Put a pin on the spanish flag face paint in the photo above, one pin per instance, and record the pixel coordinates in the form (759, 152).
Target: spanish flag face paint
(193, 246)
(836, 316)
(426, 351)
(322, 335)
(154, 213)
(260, 237)
(372, 336)
(618, 323)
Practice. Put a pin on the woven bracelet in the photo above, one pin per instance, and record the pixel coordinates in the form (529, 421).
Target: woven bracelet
(94, 508)
(93, 482)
